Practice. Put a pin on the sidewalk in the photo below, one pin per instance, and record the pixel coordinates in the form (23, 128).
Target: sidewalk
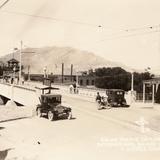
(9, 113)
(146, 105)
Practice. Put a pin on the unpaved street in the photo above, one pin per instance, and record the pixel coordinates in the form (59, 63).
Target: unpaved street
(91, 134)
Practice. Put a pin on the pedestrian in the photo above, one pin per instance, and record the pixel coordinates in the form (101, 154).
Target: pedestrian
(12, 80)
(71, 88)
(74, 87)
(98, 100)
(98, 97)
(22, 80)
(17, 80)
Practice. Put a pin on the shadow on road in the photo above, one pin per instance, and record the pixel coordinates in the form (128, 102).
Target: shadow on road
(2, 128)
(13, 120)
(4, 153)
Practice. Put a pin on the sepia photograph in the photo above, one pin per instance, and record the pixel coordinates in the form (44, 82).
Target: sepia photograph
(79, 80)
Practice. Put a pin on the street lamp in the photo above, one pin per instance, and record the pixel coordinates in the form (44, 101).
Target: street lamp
(132, 87)
(45, 70)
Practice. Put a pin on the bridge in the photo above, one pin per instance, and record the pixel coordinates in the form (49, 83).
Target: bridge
(28, 94)
(90, 126)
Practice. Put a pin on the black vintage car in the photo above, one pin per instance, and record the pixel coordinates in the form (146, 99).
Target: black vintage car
(51, 106)
(116, 98)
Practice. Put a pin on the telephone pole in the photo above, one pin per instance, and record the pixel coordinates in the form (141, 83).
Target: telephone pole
(20, 61)
(62, 72)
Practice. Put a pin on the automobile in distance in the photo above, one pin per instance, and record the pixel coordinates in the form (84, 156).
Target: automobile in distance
(116, 98)
(51, 106)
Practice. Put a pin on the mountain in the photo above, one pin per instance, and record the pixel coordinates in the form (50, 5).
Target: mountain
(53, 57)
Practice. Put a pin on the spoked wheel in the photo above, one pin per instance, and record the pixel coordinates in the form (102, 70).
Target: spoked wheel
(70, 115)
(39, 114)
(50, 115)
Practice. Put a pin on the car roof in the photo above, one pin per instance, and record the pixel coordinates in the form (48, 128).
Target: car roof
(44, 87)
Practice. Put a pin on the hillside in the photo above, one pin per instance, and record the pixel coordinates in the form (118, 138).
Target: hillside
(53, 57)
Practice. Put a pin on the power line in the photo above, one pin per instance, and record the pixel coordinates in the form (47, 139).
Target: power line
(81, 23)
(3, 4)
(51, 18)
(125, 36)
(116, 35)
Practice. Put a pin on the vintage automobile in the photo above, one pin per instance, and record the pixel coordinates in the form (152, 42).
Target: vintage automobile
(51, 106)
(116, 98)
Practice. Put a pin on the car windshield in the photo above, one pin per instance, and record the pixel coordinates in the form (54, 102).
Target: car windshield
(54, 99)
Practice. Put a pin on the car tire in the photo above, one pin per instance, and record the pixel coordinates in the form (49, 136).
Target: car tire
(69, 115)
(50, 115)
(39, 113)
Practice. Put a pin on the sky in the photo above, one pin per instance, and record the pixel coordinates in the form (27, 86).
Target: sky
(125, 31)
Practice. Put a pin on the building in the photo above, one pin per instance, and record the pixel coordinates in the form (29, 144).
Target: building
(83, 80)
(13, 63)
(154, 84)
(11, 69)
(86, 80)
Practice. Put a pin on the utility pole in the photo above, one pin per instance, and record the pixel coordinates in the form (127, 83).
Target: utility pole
(132, 87)
(29, 73)
(20, 61)
(71, 72)
(132, 82)
(62, 72)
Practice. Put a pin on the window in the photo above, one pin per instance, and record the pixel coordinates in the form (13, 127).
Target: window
(81, 82)
(87, 82)
(92, 82)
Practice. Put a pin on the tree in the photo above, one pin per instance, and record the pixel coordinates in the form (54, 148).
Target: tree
(1, 70)
(118, 78)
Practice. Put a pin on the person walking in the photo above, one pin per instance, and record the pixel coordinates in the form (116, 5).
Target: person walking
(98, 100)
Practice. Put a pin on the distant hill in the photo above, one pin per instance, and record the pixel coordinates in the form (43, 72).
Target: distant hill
(53, 57)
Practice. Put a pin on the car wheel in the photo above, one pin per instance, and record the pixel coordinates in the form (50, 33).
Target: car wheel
(39, 113)
(50, 115)
(70, 115)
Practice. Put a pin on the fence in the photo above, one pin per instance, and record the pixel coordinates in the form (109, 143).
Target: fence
(148, 97)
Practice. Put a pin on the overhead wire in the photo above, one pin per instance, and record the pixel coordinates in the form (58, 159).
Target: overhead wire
(122, 33)
(4, 3)
(127, 35)
(82, 23)
(51, 18)
(78, 22)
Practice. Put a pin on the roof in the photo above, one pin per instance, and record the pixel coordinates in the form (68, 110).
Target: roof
(153, 80)
(44, 87)
(13, 60)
